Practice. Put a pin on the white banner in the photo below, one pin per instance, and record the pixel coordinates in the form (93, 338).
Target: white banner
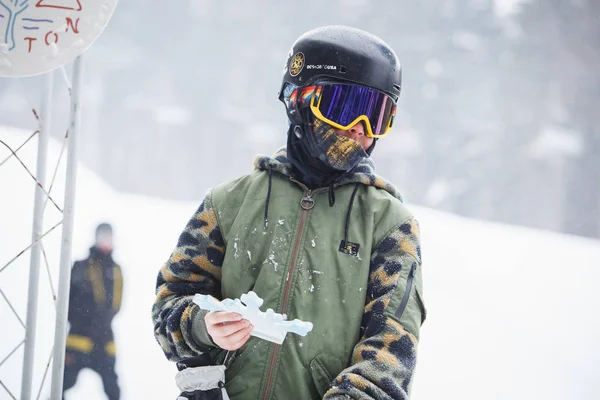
(37, 36)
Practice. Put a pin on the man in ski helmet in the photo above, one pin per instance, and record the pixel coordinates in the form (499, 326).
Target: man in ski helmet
(316, 234)
(94, 300)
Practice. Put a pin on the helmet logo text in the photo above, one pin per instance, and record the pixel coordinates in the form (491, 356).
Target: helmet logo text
(321, 66)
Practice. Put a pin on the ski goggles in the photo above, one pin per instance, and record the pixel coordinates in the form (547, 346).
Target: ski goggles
(343, 105)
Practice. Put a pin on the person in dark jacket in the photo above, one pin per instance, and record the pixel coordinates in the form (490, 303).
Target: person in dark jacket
(96, 292)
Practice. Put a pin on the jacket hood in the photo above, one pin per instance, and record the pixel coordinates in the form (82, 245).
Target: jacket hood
(364, 173)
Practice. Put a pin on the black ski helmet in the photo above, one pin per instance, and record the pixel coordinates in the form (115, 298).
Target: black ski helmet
(344, 54)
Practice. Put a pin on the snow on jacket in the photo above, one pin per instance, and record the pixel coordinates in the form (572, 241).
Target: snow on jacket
(346, 258)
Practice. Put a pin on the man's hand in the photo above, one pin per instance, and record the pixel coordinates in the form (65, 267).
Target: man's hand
(227, 329)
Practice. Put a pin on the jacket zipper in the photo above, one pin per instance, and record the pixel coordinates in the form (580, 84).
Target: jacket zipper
(288, 281)
(409, 283)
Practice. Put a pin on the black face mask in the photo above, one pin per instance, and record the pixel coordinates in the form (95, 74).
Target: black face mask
(319, 155)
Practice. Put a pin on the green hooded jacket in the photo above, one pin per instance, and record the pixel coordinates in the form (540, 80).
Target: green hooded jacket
(346, 258)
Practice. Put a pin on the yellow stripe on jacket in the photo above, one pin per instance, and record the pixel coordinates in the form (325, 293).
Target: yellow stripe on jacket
(85, 345)
(97, 283)
(80, 343)
(117, 288)
(110, 348)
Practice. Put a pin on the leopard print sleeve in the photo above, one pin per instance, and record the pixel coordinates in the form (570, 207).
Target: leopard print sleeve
(383, 361)
(194, 267)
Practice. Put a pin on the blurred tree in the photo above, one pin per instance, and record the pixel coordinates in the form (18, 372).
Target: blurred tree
(498, 117)
(562, 39)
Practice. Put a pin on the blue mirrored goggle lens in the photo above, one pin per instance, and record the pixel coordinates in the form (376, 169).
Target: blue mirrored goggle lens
(343, 103)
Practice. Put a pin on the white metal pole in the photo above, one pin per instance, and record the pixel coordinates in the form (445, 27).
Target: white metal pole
(38, 222)
(64, 280)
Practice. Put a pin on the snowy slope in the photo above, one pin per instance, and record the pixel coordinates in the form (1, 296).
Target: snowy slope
(510, 309)
(511, 312)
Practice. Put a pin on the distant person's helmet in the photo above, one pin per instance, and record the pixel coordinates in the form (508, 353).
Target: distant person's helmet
(104, 228)
(104, 237)
(365, 68)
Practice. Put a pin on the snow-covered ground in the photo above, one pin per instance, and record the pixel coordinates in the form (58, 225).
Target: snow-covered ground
(511, 310)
